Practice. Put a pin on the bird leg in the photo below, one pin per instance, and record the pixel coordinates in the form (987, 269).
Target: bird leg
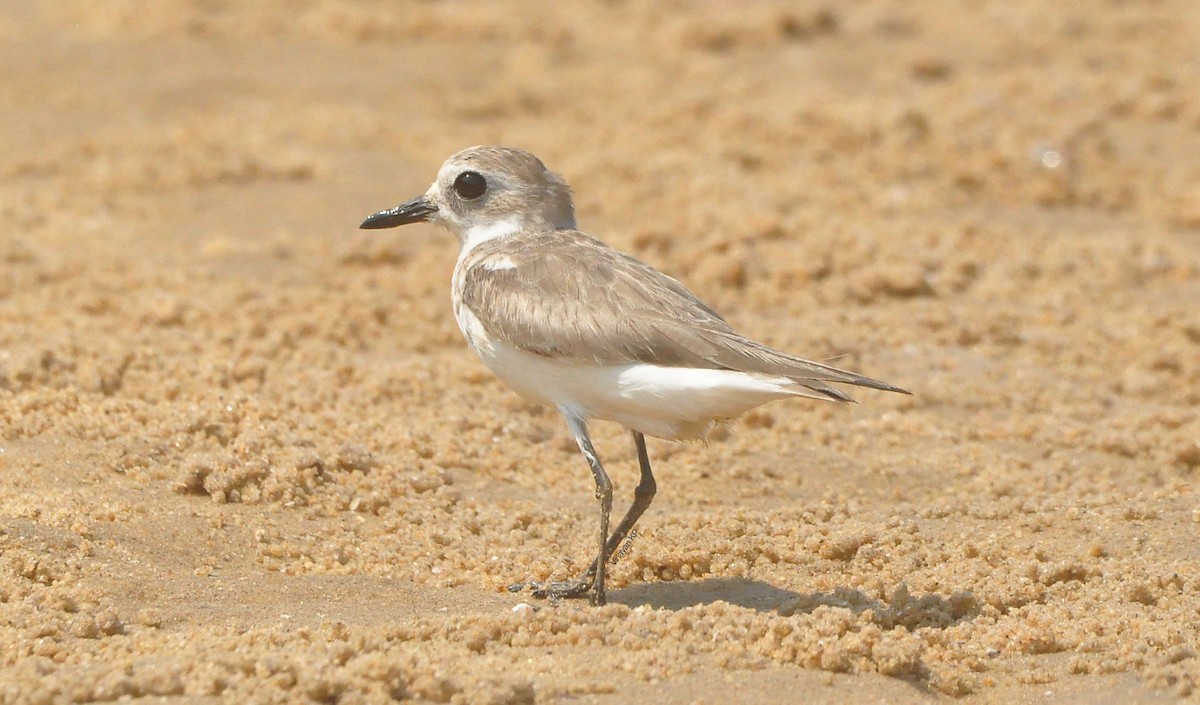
(642, 496)
(591, 578)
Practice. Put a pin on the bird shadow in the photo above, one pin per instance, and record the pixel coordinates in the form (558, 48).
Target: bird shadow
(753, 594)
(898, 609)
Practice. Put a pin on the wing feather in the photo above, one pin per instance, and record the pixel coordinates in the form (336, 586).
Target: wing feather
(566, 295)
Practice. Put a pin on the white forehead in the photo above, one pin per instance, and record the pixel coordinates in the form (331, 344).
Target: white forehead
(450, 169)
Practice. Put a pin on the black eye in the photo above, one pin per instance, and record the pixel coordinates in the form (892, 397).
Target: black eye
(470, 185)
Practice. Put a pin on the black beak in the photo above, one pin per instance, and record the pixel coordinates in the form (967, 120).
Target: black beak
(417, 210)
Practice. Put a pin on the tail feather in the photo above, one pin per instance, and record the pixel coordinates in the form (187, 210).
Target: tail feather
(823, 391)
(750, 356)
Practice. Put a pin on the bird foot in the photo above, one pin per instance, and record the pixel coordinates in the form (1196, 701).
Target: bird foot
(555, 590)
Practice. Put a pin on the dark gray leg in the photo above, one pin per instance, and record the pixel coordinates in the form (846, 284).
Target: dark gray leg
(593, 577)
(603, 493)
(642, 496)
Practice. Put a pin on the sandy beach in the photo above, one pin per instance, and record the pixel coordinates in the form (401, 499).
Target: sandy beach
(246, 456)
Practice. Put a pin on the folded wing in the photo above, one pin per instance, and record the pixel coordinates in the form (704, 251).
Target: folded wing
(563, 294)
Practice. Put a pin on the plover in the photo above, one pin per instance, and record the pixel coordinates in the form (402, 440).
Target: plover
(566, 320)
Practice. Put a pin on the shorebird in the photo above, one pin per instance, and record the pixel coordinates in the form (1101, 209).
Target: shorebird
(566, 320)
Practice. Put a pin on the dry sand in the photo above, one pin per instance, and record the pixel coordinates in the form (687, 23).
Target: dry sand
(246, 457)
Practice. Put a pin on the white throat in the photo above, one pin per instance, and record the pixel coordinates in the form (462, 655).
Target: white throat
(473, 236)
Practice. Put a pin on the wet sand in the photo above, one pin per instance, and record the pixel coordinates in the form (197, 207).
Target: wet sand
(245, 455)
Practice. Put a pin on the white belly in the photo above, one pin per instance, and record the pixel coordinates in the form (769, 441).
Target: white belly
(666, 402)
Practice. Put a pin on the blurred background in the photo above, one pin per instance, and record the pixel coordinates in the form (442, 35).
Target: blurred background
(238, 434)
